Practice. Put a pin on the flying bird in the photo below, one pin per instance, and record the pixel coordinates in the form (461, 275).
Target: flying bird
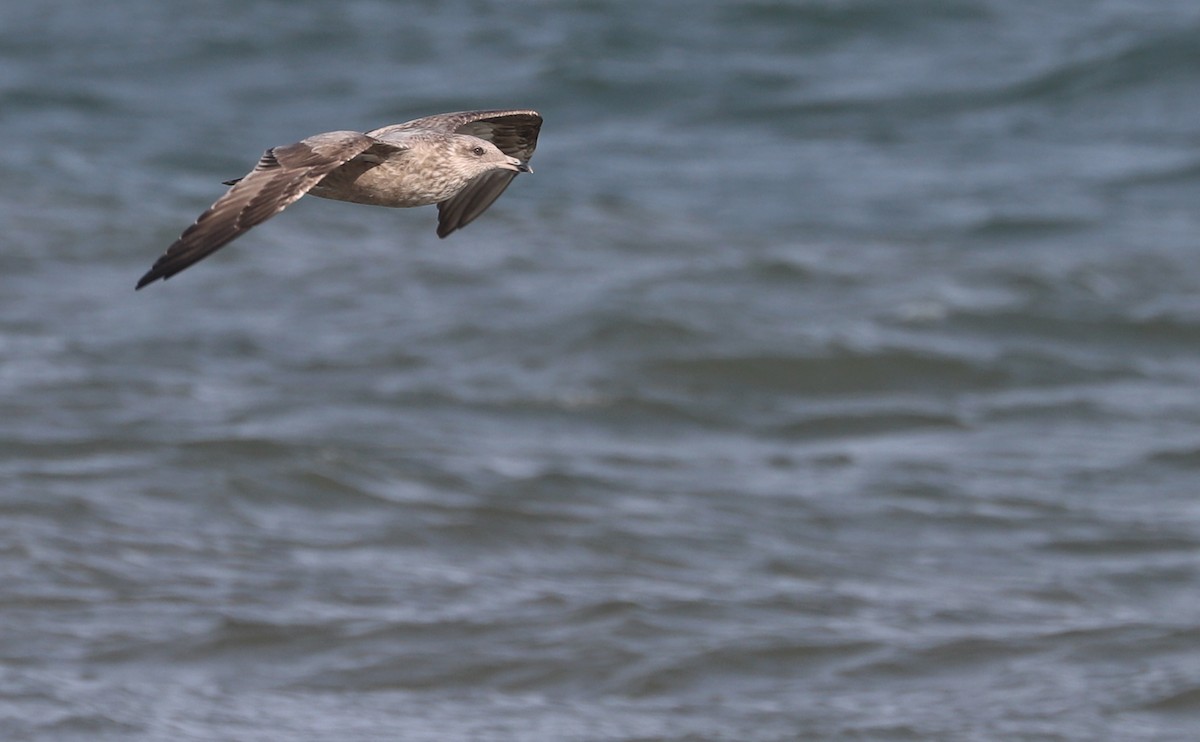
(460, 161)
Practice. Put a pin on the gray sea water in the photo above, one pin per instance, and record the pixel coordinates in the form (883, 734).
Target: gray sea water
(835, 376)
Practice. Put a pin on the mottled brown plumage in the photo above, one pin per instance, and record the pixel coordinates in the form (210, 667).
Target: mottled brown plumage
(460, 161)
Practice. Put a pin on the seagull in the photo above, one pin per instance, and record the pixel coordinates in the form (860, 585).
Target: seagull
(460, 161)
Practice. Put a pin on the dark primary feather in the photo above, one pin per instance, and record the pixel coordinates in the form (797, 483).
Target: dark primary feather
(514, 132)
(470, 202)
(282, 175)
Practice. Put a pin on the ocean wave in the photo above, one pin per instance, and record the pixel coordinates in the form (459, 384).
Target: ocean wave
(841, 371)
(868, 423)
(1156, 61)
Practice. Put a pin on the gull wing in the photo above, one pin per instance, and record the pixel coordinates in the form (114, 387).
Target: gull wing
(462, 208)
(282, 175)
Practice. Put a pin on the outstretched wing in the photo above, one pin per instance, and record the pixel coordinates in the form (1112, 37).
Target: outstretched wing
(282, 175)
(461, 209)
(513, 132)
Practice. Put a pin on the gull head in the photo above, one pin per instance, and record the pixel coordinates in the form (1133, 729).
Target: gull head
(475, 156)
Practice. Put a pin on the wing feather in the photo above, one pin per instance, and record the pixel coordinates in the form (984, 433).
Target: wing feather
(514, 131)
(470, 202)
(282, 175)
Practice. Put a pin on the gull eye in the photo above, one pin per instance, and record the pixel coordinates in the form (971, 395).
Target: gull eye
(477, 151)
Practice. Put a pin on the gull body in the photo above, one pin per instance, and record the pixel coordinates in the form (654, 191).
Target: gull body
(460, 161)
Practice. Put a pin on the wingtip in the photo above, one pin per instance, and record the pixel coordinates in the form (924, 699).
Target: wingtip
(146, 280)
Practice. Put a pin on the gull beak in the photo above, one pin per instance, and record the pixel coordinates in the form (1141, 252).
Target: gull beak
(518, 166)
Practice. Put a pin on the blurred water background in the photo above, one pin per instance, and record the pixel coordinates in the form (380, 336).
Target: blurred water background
(833, 377)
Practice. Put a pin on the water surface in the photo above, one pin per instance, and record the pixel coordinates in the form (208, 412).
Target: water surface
(833, 377)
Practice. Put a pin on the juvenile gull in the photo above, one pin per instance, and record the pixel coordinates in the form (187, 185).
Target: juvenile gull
(460, 161)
